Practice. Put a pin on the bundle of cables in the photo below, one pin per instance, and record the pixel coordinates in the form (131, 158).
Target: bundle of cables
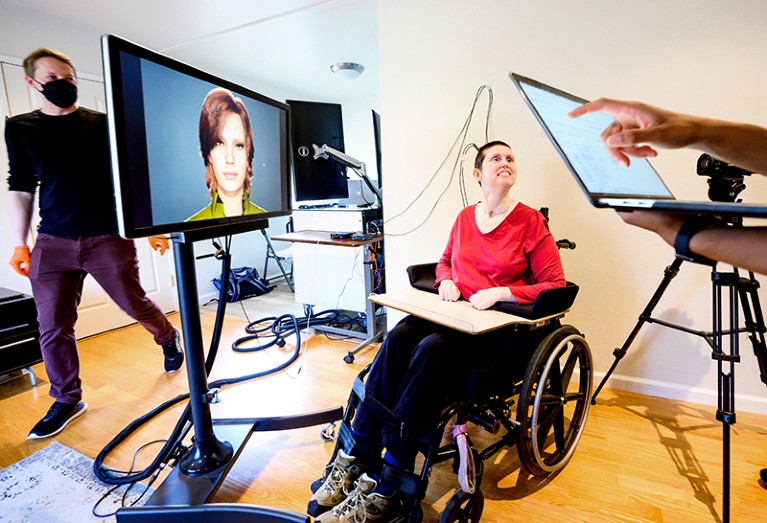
(173, 449)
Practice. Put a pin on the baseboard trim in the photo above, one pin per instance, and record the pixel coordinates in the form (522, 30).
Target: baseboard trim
(661, 389)
(204, 299)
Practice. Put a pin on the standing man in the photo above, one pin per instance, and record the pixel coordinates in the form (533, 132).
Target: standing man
(64, 149)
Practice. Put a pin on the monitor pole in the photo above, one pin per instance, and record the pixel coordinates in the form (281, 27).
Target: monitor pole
(207, 453)
(204, 466)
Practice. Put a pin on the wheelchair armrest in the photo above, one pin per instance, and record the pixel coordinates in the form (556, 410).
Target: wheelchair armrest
(423, 276)
(548, 302)
(551, 301)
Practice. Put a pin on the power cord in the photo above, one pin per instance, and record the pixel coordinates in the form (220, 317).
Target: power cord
(124, 501)
(173, 449)
(459, 142)
(279, 328)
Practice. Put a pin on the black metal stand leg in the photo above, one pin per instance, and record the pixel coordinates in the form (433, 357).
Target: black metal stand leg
(754, 320)
(208, 453)
(374, 334)
(203, 468)
(744, 289)
(646, 317)
(726, 369)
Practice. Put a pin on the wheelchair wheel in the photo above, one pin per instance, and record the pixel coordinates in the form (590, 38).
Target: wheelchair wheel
(463, 507)
(554, 401)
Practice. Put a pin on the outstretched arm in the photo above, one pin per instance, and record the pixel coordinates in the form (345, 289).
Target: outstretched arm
(640, 128)
(742, 247)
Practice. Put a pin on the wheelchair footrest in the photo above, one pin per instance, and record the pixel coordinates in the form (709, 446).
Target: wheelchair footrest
(405, 482)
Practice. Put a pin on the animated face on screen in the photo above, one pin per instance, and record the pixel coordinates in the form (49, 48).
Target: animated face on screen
(226, 146)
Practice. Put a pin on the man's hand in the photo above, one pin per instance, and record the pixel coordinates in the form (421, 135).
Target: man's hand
(486, 298)
(20, 260)
(159, 243)
(637, 123)
(666, 225)
(448, 291)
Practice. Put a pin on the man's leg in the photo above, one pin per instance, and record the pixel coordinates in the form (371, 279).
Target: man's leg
(57, 286)
(112, 262)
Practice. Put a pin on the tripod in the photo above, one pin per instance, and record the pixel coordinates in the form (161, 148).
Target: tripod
(737, 289)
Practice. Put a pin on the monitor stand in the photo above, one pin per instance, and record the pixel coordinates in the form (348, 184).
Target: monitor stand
(202, 469)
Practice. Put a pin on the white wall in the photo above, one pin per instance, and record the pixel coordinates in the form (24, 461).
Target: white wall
(701, 57)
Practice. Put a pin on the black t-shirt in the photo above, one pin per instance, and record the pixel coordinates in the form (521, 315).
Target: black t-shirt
(68, 156)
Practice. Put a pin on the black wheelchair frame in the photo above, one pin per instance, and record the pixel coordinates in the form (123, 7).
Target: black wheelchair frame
(552, 405)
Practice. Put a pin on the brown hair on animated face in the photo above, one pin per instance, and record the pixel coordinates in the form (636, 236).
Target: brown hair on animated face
(218, 104)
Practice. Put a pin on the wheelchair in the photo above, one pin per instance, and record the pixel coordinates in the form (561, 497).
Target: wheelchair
(551, 401)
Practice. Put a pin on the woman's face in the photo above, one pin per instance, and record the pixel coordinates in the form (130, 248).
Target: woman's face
(499, 168)
(229, 157)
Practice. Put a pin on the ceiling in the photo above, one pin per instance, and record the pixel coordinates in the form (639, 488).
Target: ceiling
(284, 46)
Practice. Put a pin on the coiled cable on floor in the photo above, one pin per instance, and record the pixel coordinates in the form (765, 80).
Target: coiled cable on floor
(276, 328)
(173, 449)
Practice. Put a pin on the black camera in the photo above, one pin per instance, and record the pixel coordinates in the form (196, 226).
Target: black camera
(725, 180)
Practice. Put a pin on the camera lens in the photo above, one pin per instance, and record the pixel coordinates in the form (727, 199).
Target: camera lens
(704, 164)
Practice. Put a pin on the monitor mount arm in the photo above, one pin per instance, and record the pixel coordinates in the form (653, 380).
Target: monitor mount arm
(357, 166)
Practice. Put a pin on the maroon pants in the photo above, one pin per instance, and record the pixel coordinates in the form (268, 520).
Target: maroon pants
(57, 270)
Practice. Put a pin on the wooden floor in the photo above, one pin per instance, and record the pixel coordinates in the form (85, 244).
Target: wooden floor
(640, 459)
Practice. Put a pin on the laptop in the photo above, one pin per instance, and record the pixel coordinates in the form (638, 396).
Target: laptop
(359, 195)
(605, 182)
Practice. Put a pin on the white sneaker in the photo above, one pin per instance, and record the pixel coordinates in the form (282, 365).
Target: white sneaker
(337, 485)
(362, 505)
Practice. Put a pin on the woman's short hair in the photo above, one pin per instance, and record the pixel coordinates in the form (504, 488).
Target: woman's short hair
(481, 152)
(216, 106)
(44, 52)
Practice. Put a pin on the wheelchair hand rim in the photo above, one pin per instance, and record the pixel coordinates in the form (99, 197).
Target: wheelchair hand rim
(536, 407)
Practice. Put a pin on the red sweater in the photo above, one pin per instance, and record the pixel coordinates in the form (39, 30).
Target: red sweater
(520, 254)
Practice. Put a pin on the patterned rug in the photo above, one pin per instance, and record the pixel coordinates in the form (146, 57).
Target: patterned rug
(57, 485)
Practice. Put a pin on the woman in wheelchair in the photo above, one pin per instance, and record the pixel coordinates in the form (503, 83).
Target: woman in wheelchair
(498, 250)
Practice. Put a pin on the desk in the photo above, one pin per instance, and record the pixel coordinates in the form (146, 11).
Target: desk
(311, 284)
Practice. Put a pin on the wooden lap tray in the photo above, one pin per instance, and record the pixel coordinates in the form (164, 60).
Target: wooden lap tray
(459, 315)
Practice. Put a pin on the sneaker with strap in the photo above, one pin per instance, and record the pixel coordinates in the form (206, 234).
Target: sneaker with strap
(336, 485)
(363, 505)
(58, 417)
(174, 354)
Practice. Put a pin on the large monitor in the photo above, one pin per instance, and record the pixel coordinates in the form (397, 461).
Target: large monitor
(315, 123)
(377, 139)
(190, 150)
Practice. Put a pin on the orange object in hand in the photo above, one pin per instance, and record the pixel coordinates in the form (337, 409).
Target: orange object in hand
(20, 260)
(159, 243)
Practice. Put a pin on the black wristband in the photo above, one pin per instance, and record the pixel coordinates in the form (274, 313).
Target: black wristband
(685, 234)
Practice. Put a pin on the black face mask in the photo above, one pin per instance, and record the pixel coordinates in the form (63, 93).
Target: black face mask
(60, 93)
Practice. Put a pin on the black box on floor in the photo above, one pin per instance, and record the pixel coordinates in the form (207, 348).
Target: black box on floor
(19, 336)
